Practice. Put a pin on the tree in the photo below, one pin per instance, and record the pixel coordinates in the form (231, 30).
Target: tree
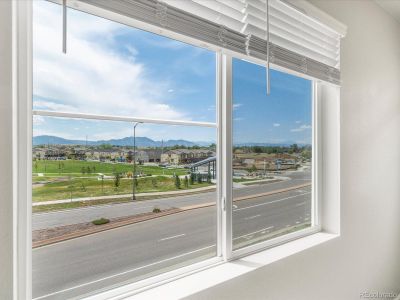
(117, 180)
(177, 182)
(192, 178)
(83, 185)
(199, 179)
(186, 182)
(209, 177)
(257, 149)
(83, 170)
(129, 156)
(88, 170)
(154, 182)
(36, 166)
(252, 169)
(306, 154)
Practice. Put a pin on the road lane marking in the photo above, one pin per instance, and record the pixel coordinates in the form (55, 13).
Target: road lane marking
(122, 273)
(172, 237)
(275, 201)
(252, 217)
(301, 204)
(251, 233)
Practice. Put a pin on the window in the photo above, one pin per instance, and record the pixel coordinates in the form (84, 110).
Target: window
(272, 154)
(156, 150)
(124, 164)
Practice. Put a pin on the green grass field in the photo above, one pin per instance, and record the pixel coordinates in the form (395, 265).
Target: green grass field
(77, 187)
(76, 179)
(75, 168)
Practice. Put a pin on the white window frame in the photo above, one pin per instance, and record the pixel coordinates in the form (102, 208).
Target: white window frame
(22, 133)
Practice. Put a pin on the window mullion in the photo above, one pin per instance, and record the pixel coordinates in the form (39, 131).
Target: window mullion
(226, 154)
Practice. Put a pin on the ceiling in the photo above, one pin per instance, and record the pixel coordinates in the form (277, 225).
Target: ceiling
(391, 6)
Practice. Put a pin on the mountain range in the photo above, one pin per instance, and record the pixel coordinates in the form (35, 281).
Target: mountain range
(141, 142)
(126, 141)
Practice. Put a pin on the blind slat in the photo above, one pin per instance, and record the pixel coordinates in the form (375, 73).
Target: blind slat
(237, 25)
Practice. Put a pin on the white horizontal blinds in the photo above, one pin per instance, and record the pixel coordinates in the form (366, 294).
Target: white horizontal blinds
(293, 30)
(297, 41)
(181, 21)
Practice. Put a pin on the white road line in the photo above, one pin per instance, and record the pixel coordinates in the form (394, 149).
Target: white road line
(251, 233)
(252, 217)
(122, 273)
(301, 204)
(275, 201)
(171, 237)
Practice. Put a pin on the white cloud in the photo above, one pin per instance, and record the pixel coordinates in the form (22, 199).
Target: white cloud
(170, 90)
(237, 105)
(298, 122)
(276, 124)
(301, 128)
(38, 120)
(92, 77)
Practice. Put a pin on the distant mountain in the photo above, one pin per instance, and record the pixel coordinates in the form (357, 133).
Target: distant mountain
(127, 141)
(283, 144)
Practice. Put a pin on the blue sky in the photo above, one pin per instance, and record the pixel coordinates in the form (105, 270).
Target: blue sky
(115, 69)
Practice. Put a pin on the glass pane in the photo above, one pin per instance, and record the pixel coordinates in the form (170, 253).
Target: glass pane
(114, 69)
(272, 146)
(111, 205)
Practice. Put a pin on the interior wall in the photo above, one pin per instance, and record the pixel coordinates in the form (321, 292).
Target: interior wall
(6, 173)
(366, 258)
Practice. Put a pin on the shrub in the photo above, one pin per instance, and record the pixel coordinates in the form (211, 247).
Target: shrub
(156, 210)
(177, 182)
(101, 221)
(186, 182)
(209, 177)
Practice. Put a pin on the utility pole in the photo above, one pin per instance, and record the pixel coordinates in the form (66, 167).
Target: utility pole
(134, 161)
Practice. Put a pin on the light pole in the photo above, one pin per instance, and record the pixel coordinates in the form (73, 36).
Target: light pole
(134, 160)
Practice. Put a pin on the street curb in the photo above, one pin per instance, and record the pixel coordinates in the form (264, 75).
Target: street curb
(143, 218)
(140, 195)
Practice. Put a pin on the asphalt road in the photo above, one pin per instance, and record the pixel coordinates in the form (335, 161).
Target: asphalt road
(88, 214)
(71, 268)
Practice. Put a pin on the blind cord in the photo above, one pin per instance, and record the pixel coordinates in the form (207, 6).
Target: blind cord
(64, 24)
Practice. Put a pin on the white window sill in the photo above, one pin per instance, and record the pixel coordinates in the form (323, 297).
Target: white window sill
(215, 275)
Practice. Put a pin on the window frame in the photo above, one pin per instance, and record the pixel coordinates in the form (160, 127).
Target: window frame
(22, 48)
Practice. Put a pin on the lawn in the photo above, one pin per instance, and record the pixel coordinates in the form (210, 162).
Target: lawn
(92, 168)
(76, 187)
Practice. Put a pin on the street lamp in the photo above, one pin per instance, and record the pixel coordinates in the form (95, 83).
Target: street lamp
(134, 160)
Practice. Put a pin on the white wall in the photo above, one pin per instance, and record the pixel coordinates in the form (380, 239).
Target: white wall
(367, 255)
(6, 199)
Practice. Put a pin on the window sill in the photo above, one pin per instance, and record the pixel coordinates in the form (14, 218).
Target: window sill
(220, 273)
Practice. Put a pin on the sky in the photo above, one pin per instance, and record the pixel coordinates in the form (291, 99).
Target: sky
(113, 69)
